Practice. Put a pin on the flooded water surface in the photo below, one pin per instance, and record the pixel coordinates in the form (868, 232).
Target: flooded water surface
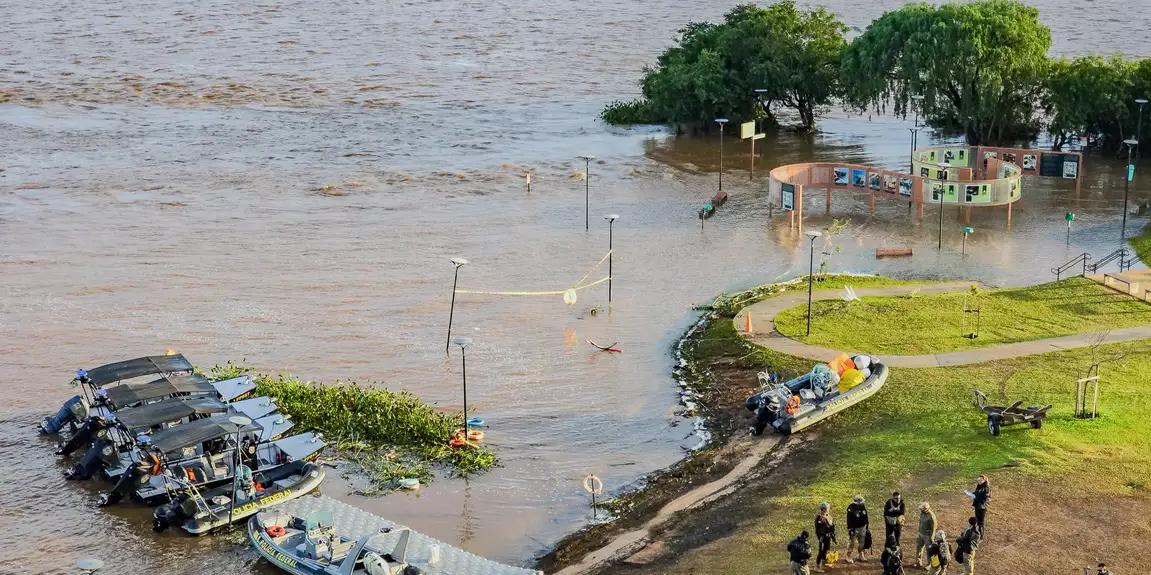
(283, 184)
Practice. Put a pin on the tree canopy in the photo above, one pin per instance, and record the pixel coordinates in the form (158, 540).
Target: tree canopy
(714, 69)
(980, 66)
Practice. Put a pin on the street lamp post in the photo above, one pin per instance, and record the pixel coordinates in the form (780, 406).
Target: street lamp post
(722, 122)
(1139, 130)
(1131, 143)
(918, 99)
(759, 92)
(810, 275)
(942, 193)
(586, 191)
(459, 263)
(464, 342)
(240, 422)
(611, 218)
(967, 230)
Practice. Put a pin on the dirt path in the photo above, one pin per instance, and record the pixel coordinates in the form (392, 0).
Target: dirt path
(632, 542)
(763, 315)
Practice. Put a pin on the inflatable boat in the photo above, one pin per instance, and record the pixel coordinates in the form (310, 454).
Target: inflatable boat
(827, 389)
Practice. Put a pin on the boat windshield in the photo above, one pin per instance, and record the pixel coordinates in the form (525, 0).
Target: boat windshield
(318, 520)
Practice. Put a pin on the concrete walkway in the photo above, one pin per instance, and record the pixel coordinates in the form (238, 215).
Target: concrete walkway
(764, 332)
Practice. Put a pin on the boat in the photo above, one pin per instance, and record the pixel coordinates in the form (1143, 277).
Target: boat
(814, 396)
(322, 536)
(199, 512)
(893, 252)
(708, 209)
(201, 454)
(76, 409)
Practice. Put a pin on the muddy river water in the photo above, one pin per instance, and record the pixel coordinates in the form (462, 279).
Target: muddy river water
(283, 183)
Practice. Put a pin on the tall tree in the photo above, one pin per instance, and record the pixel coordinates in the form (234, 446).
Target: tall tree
(1088, 95)
(714, 69)
(979, 66)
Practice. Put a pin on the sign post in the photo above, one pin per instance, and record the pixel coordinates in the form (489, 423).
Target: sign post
(1070, 217)
(593, 485)
(966, 231)
(747, 132)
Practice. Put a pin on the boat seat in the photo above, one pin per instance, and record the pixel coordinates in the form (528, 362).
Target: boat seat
(198, 471)
(219, 465)
(807, 394)
(340, 549)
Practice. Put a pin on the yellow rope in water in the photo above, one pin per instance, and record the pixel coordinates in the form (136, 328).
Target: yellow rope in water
(578, 285)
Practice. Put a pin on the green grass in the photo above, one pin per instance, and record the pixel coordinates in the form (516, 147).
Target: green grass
(921, 434)
(729, 304)
(933, 323)
(387, 434)
(1142, 245)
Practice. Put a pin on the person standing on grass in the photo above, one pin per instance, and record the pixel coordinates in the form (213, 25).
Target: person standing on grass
(1103, 570)
(938, 554)
(966, 545)
(825, 533)
(979, 500)
(892, 557)
(799, 551)
(893, 512)
(926, 531)
(856, 527)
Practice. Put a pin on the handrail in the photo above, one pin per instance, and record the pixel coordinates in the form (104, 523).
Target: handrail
(1120, 254)
(1080, 260)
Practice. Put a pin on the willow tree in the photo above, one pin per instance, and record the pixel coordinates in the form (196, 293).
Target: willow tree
(1088, 95)
(979, 66)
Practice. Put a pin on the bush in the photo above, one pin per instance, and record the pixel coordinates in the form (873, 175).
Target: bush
(621, 113)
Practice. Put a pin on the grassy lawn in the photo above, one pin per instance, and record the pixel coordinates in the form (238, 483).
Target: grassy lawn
(933, 323)
(922, 435)
(1142, 245)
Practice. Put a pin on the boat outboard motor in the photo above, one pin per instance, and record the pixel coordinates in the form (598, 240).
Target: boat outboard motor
(73, 410)
(176, 512)
(134, 477)
(93, 459)
(83, 436)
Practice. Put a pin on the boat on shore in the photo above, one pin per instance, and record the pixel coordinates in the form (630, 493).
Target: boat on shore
(799, 403)
(322, 536)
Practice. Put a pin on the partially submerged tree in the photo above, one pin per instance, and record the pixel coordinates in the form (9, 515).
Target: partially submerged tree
(714, 69)
(1087, 95)
(979, 66)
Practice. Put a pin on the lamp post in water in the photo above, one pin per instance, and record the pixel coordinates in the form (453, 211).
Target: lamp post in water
(459, 263)
(942, 192)
(611, 218)
(1139, 130)
(967, 230)
(464, 342)
(1131, 143)
(586, 190)
(722, 122)
(810, 275)
(240, 422)
(918, 99)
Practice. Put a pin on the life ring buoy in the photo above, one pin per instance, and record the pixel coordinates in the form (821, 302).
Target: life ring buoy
(276, 531)
(792, 405)
(475, 435)
(457, 442)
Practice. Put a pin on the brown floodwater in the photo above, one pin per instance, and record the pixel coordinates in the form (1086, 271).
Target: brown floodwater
(283, 184)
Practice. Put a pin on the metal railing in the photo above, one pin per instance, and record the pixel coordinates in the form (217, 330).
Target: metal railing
(1080, 262)
(1119, 254)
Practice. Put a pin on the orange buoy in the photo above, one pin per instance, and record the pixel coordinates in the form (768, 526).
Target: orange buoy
(475, 435)
(276, 531)
(747, 323)
(792, 405)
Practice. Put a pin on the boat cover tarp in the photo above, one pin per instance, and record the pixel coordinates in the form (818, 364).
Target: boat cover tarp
(356, 523)
(169, 410)
(129, 393)
(192, 433)
(150, 365)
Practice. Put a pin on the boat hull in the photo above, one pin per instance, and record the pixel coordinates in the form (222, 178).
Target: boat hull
(311, 475)
(823, 410)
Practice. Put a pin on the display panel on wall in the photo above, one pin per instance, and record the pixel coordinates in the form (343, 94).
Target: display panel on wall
(957, 157)
(905, 186)
(859, 178)
(787, 196)
(840, 176)
(1059, 166)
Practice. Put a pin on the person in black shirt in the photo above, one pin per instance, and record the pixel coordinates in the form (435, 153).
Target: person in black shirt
(825, 533)
(893, 512)
(892, 558)
(966, 545)
(799, 551)
(856, 527)
(979, 502)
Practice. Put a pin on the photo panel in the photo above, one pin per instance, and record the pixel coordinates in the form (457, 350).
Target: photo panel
(840, 176)
(873, 180)
(905, 187)
(859, 178)
(1029, 162)
(890, 183)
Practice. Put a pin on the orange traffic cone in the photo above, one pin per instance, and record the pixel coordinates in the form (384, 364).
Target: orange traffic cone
(747, 323)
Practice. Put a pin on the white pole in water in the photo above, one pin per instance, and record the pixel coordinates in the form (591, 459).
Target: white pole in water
(586, 191)
(464, 342)
(459, 263)
(240, 422)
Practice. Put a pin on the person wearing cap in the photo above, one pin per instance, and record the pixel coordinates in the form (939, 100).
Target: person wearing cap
(825, 533)
(893, 512)
(966, 545)
(938, 554)
(857, 524)
(799, 551)
(923, 536)
(980, 498)
(1103, 569)
(892, 557)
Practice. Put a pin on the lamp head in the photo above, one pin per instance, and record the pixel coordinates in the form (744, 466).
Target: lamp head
(760, 90)
(462, 341)
(917, 97)
(611, 217)
(89, 564)
(1131, 142)
(1140, 101)
(721, 121)
(240, 420)
(459, 262)
(814, 234)
(586, 158)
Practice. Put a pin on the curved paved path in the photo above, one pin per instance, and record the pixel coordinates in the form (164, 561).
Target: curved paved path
(764, 332)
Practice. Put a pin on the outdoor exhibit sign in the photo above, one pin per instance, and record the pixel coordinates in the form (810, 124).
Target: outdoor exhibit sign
(746, 130)
(787, 196)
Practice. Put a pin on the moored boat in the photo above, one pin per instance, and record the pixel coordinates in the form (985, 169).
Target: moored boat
(814, 396)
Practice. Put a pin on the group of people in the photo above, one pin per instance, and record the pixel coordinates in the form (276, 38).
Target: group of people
(932, 549)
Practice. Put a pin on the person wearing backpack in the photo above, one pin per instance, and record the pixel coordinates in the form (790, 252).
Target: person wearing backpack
(938, 554)
(893, 512)
(825, 533)
(799, 551)
(926, 530)
(966, 545)
(892, 557)
(856, 527)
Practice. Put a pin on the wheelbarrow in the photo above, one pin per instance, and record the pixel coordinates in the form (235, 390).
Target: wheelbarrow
(1001, 415)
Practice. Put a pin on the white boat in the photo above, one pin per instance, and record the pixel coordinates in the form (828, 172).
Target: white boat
(810, 398)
